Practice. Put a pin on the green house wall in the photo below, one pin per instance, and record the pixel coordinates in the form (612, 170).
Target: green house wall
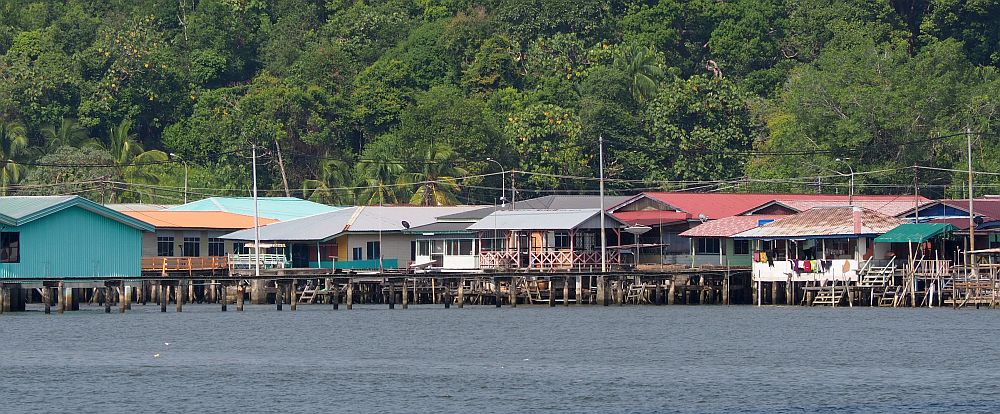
(75, 243)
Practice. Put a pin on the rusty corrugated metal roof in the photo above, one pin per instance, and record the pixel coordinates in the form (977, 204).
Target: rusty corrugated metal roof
(825, 222)
(729, 226)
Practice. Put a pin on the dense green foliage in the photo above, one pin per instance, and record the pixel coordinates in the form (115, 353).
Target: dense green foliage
(396, 101)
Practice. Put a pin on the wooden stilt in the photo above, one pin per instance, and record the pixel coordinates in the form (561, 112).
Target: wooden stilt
(406, 295)
(350, 294)
(579, 290)
(447, 296)
(434, 297)
(512, 291)
(122, 298)
(239, 296)
(163, 297)
(552, 291)
(279, 295)
(496, 291)
(565, 291)
(47, 299)
(672, 292)
(107, 299)
(179, 296)
(220, 292)
(61, 297)
(461, 293)
(392, 296)
(294, 302)
(602, 297)
(336, 295)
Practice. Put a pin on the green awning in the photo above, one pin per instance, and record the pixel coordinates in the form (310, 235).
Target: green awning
(914, 232)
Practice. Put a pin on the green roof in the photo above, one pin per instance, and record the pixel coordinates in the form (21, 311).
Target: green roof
(914, 232)
(278, 208)
(19, 210)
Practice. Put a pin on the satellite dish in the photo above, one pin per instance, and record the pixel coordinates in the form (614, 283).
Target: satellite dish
(702, 217)
(638, 229)
(406, 224)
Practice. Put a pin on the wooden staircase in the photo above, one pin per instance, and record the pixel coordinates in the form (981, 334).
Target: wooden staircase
(831, 295)
(308, 294)
(877, 280)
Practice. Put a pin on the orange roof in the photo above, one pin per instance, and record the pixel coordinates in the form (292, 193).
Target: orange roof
(197, 219)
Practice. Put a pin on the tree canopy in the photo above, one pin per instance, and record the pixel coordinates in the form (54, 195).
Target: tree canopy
(403, 101)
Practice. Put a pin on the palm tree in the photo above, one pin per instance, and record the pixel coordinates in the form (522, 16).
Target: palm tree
(381, 173)
(130, 158)
(13, 140)
(334, 174)
(437, 178)
(67, 133)
(643, 71)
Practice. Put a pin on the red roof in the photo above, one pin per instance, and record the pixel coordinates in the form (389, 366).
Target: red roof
(989, 208)
(728, 226)
(651, 217)
(718, 205)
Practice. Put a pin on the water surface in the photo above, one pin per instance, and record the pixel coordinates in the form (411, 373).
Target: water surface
(484, 360)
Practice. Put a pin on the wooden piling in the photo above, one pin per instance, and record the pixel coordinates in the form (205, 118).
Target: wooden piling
(279, 295)
(122, 298)
(336, 295)
(565, 290)
(392, 296)
(406, 295)
(294, 302)
(46, 299)
(350, 294)
(496, 291)
(620, 292)
(239, 296)
(447, 296)
(512, 290)
(552, 291)
(602, 297)
(163, 297)
(461, 293)
(179, 296)
(220, 292)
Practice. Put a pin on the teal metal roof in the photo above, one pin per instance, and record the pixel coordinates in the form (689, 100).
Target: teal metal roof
(914, 232)
(19, 210)
(278, 208)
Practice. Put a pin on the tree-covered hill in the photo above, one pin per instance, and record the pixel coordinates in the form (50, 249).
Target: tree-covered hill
(395, 101)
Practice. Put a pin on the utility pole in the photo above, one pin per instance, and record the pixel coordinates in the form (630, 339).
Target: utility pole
(256, 215)
(916, 197)
(972, 214)
(604, 235)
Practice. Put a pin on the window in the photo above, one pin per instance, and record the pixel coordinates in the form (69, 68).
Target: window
(192, 246)
(741, 247)
(561, 240)
(216, 247)
(238, 247)
(437, 246)
(465, 247)
(708, 246)
(356, 253)
(423, 248)
(372, 249)
(164, 246)
(10, 247)
(492, 245)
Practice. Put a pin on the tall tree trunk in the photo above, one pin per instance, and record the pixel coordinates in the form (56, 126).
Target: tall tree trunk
(281, 166)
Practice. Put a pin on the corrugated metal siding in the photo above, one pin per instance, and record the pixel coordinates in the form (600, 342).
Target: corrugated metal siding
(76, 243)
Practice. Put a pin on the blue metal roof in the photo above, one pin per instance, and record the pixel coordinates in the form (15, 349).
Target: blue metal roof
(19, 210)
(278, 208)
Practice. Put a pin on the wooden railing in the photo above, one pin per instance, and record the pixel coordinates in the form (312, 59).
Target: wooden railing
(550, 259)
(165, 264)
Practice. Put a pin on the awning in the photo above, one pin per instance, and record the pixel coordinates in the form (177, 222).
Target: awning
(914, 232)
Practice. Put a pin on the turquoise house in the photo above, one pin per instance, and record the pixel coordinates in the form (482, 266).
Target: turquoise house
(278, 208)
(67, 237)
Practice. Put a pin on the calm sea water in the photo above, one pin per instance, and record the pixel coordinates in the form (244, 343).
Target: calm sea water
(483, 360)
